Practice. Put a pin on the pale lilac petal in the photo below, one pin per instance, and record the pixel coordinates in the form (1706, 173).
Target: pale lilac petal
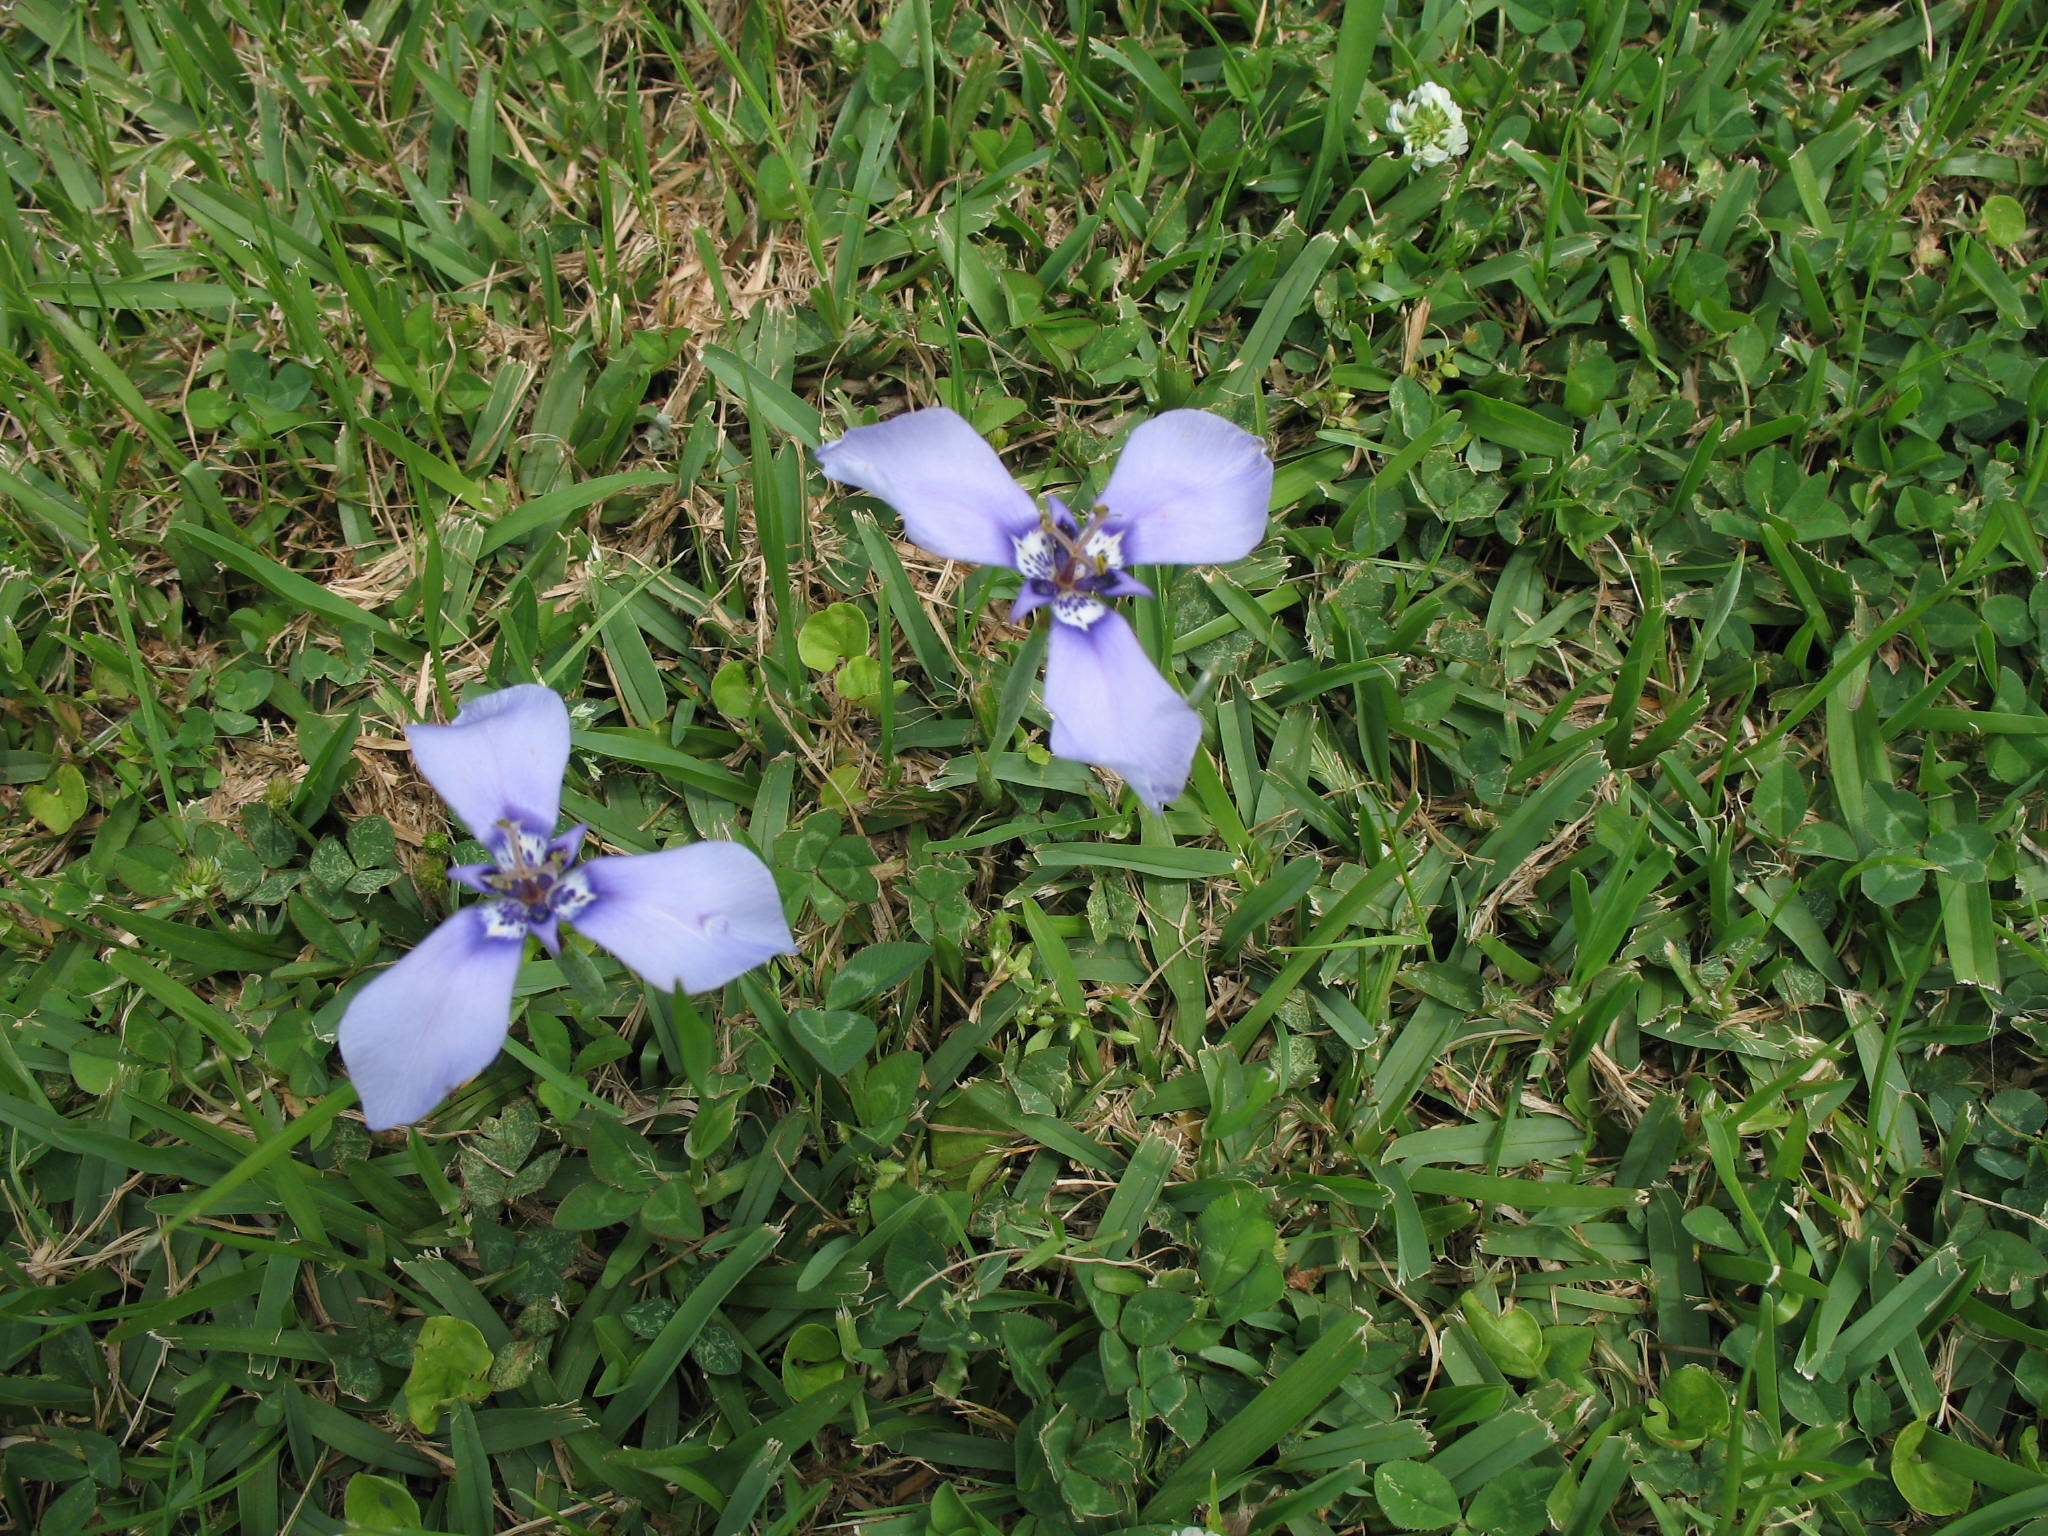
(690, 917)
(501, 758)
(1190, 488)
(943, 479)
(1110, 707)
(433, 1021)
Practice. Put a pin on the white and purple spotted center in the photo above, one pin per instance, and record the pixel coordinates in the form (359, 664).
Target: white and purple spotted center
(535, 880)
(1071, 567)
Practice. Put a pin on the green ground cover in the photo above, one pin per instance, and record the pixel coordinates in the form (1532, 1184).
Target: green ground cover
(1568, 1061)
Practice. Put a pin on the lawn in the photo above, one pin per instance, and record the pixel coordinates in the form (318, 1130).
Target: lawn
(1571, 1059)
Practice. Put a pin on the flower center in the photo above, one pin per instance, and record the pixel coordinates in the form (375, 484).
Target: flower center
(535, 879)
(1073, 571)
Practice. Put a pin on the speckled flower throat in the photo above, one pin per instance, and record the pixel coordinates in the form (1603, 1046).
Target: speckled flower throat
(1072, 568)
(535, 879)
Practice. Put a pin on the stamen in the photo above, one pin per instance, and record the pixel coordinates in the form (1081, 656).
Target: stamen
(524, 851)
(528, 875)
(1105, 546)
(1072, 566)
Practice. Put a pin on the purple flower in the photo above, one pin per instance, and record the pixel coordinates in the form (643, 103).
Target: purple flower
(689, 917)
(1189, 489)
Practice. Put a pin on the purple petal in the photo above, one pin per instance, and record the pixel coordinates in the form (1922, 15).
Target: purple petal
(1029, 600)
(475, 876)
(501, 758)
(945, 482)
(435, 1019)
(1121, 583)
(1190, 488)
(690, 917)
(1110, 707)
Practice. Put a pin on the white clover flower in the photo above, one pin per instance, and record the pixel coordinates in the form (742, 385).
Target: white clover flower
(1194, 1530)
(1431, 125)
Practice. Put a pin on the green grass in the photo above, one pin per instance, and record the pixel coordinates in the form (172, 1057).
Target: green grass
(1568, 1061)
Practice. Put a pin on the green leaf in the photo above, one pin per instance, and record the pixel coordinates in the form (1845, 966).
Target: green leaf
(1236, 1236)
(59, 801)
(1691, 1409)
(789, 412)
(1513, 426)
(718, 1350)
(1779, 804)
(622, 1158)
(950, 1515)
(1154, 1316)
(657, 1365)
(547, 513)
(734, 692)
(837, 1040)
(2003, 220)
(2005, 1260)
(1589, 382)
(372, 844)
(1281, 1407)
(811, 1360)
(206, 950)
(451, 1363)
(1890, 882)
(95, 1066)
(832, 635)
(292, 587)
(1165, 863)
(377, 1504)
(873, 970)
(1454, 985)
(1414, 1495)
(590, 1206)
(1287, 298)
(1964, 851)
(1907, 1307)
(1513, 1339)
(673, 1212)
(633, 746)
(860, 680)
(330, 866)
(1512, 1504)
(1931, 1489)
(1896, 819)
